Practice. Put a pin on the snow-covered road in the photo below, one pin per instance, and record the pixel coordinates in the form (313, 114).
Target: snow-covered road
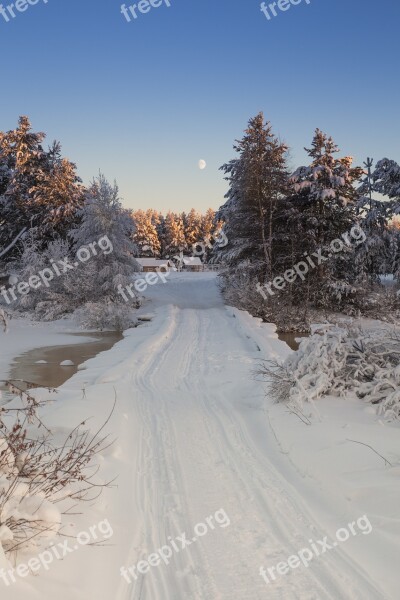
(197, 438)
(204, 444)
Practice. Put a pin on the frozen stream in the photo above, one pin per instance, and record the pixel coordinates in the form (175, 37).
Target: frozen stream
(42, 365)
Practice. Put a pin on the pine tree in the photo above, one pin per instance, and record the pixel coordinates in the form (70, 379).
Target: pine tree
(146, 235)
(161, 233)
(386, 180)
(193, 228)
(210, 227)
(374, 256)
(175, 241)
(208, 224)
(22, 160)
(57, 196)
(325, 199)
(257, 182)
(38, 190)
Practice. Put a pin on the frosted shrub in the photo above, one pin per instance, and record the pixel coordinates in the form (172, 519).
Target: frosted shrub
(50, 302)
(339, 361)
(314, 370)
(103, 315)
(41, 478)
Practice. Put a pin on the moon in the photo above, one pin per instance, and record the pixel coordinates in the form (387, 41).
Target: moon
(202, 164)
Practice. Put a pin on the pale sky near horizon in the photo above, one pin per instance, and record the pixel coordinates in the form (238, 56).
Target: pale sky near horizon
(144, 101)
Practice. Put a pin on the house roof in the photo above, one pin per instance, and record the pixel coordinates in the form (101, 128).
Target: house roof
(152, 262)
(192, 261)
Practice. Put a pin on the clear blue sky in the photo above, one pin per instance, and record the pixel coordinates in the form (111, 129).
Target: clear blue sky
(144, 101)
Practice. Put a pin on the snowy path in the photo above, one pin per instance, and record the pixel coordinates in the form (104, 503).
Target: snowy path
(195, 435)
(204, 444)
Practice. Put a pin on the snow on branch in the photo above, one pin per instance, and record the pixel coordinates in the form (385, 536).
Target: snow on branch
(41, 477)
(337, 362)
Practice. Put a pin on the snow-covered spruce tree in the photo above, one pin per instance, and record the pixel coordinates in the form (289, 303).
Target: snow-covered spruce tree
(386, 181)
(325, 199)
(175, 240)
(208, 224)
(193, 226)
(210, 229)
(145, 235)
(103, 217)
(290, 309)
(375, 255)
(22, 159)
(38, 189)
(57, 195)
(5, 178)
(5, 167)
(161, 233)
(393, 266)
(257, 183)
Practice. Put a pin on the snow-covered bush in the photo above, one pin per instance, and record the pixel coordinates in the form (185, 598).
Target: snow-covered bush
(50, 302)
(41, 477)
(101, 315)
(338, 361)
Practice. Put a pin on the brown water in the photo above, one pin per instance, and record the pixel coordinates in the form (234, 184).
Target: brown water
(290, 338)
(50, 373)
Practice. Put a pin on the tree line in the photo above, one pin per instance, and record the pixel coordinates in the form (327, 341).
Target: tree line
(48, 223)
(275, 218)
(162, 236)
(42, 194)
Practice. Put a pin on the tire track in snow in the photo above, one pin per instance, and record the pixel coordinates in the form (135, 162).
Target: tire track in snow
(238, 562)
(290, 523)
(160, 455)
(196, 456)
